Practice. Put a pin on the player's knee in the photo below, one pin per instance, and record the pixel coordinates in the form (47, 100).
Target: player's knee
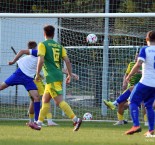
(36, 98)
(3, 86)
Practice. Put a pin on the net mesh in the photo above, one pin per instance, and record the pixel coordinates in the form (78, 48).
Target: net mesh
(85, 95)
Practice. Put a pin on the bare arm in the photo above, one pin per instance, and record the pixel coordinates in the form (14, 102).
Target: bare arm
(69, 68)
(39, 66)
(19, 54)
(75, 76)
(134, 70)
(124, 82)
(68, 65)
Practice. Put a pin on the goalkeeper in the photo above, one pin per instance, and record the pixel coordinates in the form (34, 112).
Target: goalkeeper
(121, 101)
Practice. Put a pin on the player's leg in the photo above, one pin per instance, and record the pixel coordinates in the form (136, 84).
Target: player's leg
(31, 111)
(3, 86)
(154, 105)
(140, 93)
(123, 97)
(120, 112)
(14, 79)
(43, 111)
(68, 111)
(55, 90)
(144, 114)
(148, 103)
(56, 93)
(41, 87)
(154, 110)
(34, 94)
(135, 100)
(50, 122)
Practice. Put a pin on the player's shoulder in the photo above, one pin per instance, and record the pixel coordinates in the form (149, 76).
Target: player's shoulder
(33, 52)
(143, 48)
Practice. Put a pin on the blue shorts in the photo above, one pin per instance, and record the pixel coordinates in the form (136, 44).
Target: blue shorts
(19, 78)
(143, 93)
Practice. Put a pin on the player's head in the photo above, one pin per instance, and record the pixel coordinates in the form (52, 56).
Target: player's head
(150, 37)
(49, 31)
(31, 45)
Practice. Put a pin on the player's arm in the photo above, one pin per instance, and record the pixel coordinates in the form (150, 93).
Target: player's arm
(68, 65)
(125, 83)
(75, 76)
(19, 54)
(41, 54)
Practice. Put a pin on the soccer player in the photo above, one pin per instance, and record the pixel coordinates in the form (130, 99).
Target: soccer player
(50, 54)
(121, 101)
(25, 73)
(145, 89)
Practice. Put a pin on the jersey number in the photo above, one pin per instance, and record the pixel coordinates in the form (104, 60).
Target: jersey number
(56, 55)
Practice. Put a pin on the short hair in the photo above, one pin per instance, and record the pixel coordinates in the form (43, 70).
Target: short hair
(151, 36)
(31, 45)
(49, 30)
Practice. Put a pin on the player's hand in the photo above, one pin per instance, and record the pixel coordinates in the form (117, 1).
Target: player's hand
(75, 76)
(10, 62)
(68, 79)
(38, 77)
(124, 86)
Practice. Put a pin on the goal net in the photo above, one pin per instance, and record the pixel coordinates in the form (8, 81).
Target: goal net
(100, 68)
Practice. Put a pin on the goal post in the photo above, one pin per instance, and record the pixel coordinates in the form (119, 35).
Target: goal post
(126, 33)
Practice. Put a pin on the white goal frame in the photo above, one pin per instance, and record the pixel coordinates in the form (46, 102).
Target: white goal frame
(74, 15)
(83, 15)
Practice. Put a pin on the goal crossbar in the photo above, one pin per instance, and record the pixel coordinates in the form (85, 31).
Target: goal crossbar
(101, 47)
(74, 15)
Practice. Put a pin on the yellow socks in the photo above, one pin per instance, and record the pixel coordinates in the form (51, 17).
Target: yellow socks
(49, 115)
(120, 117)
(67, 109)
(145, 118)
(31, 117)
(43, 111)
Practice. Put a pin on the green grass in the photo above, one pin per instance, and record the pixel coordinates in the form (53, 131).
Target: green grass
(90, 133)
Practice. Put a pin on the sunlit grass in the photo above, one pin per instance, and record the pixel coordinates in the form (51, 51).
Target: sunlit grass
(90, 133)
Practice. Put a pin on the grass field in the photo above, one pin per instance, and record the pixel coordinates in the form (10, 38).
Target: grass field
(90, 133)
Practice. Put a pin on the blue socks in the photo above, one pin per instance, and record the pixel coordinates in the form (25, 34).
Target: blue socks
(150, 117)
(36, 110)
(134, 114)
(123, 97)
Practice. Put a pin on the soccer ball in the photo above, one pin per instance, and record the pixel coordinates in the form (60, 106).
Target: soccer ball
(87, 116)
(91, 38)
